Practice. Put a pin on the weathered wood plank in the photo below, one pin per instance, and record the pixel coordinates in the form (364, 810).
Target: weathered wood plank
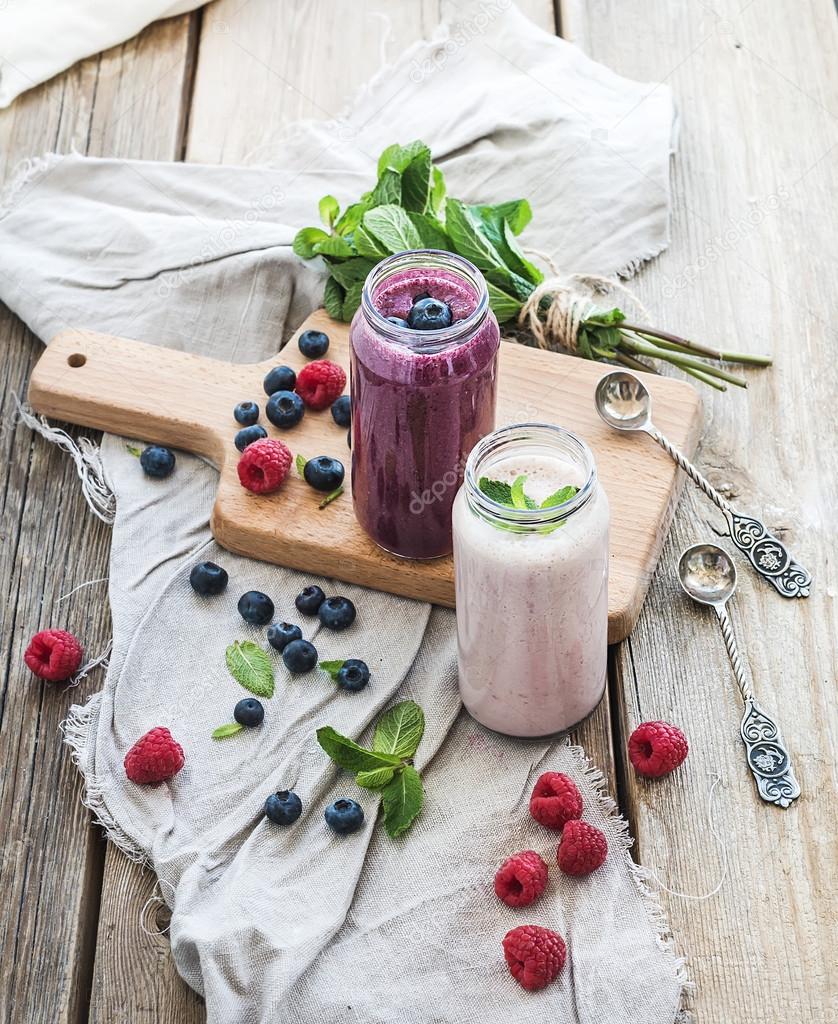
(51, 867)
(752, 237)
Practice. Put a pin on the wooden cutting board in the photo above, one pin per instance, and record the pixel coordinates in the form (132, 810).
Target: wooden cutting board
(186, 401)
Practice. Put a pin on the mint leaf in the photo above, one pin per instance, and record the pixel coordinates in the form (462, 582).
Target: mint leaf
(251, 666)
(519, 499)
(504, 306)
(349, 755)
(497, 490)
(300, 464)
(230, 729)
(468, 241)
(333, 296)
(306, 239)
(351, 271)
(516, 212)
(388, 189)
(335, 246)
(331, 497)
(437, 192)
(391, 226)
(351, 218)
(430, 231)
(367, 245)
(399, 730)
(352, 301)
(132, 449)
(560, 496)
(376, 779)
(332, 667)
(402, 799)
(329, 210)
(416, 182)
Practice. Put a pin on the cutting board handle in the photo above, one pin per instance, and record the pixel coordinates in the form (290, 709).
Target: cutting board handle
(136, 390)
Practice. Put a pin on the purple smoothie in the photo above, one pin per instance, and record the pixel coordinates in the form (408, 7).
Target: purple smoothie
(421, 400)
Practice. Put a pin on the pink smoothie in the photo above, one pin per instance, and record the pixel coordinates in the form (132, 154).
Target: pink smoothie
(532, 608)
(420, 402)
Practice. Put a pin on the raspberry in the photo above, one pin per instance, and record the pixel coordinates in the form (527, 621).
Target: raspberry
(154, 757)
(582, 850)
(657, 748)
(53, 654)
(555, 800)
(320, 383)
(264, 465)
(535, 955)
(521, 879)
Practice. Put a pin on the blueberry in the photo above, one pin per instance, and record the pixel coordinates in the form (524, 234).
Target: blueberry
(285, 409)
(157, 461)
(284, 807)
(247, 435)
(337, 613)
(299, 656)
(280, 378)
(349, 438)
(324, 473)
(246, 413)
(353, 675)
(208, 578)
(398, 321)
(342, 410)
(344, 816)
(256, 607)
(249, 712)
(420, 296)
(309, 600)
(280, 634)
(429, 315)
(313, 344)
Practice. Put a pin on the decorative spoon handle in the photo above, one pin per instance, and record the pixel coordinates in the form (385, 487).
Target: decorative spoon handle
(767, 755)
(768, 555)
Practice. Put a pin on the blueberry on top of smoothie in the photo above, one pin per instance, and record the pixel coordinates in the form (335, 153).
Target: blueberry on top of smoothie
(398, 321)
(429, 315)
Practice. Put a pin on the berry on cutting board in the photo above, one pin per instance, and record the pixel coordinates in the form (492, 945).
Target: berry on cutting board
(256, 608)
(246, 413)
(280, 378)
(285, 409)
(583, 848)
(535, 955)
(247, 435)
(344, 816)
(157, 461)
(208, 578)
(309, 599)
(521, 879)
(284, 807)
(280, 634)
(555, 800)
(337, 613)
(299, 656)
(657, 748)
(264, 465)
(249, 712)
(342, 410)
(429, 314)
(353, 675)
(324, 473)
(320, 383)
(53, 654)
(155, 757)
(313, 344)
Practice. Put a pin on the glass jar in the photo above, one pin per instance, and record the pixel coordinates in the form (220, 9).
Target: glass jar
(531, 582)
(421, 400)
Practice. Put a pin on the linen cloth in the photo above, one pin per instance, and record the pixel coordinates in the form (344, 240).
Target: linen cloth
(39, 38)
(300, 924)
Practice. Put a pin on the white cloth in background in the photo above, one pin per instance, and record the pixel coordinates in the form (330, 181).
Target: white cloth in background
(298, 924)
(39, 38)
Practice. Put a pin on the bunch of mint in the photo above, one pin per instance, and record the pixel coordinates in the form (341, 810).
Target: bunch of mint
(409, 209)
(513, 496)
(387, 767)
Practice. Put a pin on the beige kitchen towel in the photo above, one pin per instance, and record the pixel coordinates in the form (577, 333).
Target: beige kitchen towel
(299, 924)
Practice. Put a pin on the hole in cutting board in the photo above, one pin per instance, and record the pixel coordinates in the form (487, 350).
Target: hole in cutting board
(76, 359)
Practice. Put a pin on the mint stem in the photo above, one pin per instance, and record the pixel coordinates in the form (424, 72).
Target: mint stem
(331, 497)
(665, 339)
(643, 348)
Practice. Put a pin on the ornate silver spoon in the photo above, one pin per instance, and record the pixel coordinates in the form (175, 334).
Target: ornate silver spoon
(709, 576)
(624, 403)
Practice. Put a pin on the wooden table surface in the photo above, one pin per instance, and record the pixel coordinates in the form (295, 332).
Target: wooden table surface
(752, 264)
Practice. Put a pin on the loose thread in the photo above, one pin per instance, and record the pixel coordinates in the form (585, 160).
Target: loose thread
(87, 583)
(155, 898)
(103, 659)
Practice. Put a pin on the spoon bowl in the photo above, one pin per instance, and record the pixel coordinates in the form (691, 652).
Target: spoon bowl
(707, 574)
(623, 401)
